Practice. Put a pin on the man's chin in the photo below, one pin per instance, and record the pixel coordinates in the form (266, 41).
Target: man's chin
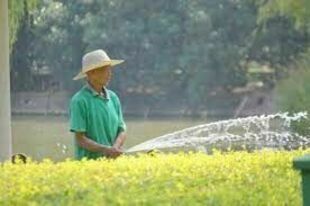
(105, 84)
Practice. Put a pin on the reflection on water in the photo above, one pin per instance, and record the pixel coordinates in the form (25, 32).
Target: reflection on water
(48, 136)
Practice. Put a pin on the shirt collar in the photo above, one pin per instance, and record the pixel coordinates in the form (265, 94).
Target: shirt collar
(95, 93)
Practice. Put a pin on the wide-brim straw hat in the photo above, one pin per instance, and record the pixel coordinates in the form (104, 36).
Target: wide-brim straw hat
(94, 60)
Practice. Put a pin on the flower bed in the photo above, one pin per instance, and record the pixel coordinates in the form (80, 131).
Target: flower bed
(234, 178)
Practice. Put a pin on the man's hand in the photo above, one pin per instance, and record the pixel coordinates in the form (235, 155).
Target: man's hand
(113, 152)
(93, 146)
(120, 140)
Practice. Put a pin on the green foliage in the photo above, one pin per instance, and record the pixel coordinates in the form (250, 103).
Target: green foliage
(17, 10)
(278, 42)
(190, 52)
(293, 93)
(191, 48)
(297, 9)
(236, 178)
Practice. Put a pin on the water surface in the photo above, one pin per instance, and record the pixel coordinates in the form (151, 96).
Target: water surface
(49, 137)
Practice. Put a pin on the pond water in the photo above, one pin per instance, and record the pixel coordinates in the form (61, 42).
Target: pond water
(48, 136)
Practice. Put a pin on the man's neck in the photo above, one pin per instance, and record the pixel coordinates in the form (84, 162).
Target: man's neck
(96, 87)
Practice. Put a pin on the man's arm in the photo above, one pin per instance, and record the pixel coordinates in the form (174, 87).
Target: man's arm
(120, 140)
(93, 146)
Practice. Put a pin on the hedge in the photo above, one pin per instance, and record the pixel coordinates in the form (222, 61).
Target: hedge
(233, 178)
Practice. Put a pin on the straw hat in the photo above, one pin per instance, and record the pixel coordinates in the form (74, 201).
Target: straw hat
(94, 60)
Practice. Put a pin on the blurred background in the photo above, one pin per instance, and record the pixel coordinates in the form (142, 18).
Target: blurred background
(187, 62)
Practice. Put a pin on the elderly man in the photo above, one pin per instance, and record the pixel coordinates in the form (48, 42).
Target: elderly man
(95, 112)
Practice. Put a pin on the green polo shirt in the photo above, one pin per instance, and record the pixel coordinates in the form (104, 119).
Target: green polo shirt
(99, 117)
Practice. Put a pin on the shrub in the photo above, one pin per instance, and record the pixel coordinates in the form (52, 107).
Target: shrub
(234, 178)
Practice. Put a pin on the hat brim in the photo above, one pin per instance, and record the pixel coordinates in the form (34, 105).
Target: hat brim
(112, 63)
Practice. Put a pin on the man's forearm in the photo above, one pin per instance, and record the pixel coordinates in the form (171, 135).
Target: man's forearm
(89, 144)
(119, 142)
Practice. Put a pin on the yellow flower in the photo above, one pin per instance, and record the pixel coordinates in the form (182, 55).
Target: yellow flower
(232, 178)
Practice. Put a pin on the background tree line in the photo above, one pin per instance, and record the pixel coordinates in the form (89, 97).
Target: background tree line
(191, 53)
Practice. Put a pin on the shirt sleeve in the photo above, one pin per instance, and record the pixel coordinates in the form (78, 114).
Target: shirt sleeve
(77, 116)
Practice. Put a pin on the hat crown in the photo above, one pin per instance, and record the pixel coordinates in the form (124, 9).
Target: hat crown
(94, 58)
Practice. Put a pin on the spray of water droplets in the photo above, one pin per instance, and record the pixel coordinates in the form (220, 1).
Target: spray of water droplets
(251, 133)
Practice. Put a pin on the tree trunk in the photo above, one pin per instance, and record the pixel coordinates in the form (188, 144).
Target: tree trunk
(5, 108)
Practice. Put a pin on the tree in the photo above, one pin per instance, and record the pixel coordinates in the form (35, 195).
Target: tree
(292, 92)
(189, 52)
(295, 9)
(17, 10)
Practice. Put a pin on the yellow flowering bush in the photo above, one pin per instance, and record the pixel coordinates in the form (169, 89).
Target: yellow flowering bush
(233, 178)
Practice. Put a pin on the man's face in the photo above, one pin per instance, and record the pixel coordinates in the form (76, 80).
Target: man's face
(100, 76)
